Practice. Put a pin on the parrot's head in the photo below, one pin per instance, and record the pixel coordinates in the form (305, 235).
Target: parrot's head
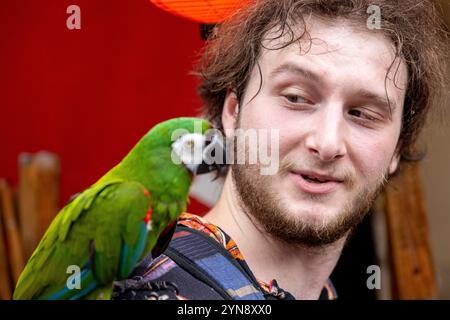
(188, 143)
(199, 151)
(192, 142)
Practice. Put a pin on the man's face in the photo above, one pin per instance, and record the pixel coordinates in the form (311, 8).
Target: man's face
(338, 136)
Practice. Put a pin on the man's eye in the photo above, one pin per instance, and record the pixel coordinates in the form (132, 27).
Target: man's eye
(355, 113)
(295, 98)
(361, 115)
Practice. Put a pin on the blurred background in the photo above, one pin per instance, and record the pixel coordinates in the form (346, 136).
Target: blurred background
(74, 102)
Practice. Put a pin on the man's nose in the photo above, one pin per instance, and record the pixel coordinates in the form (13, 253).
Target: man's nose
(326, 139)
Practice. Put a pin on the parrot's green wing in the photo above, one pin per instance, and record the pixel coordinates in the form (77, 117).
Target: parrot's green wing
(101, 232)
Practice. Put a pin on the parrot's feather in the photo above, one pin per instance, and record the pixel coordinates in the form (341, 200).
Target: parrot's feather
(130, 255)
(87, 285)
(103, 214)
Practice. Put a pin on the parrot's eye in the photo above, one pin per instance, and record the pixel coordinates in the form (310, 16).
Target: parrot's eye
(189, 149)
(190, 144)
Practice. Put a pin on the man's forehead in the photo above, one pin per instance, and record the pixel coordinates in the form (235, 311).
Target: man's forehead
(334, 51)
(337, 39)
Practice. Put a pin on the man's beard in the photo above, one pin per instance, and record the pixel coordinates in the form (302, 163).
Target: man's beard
(264, 206)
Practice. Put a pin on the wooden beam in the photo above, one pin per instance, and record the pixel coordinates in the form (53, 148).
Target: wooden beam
(12, 232)
(5, 280)
(38, 196)
(408, 236)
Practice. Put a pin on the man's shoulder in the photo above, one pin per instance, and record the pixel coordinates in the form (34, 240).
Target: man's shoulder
(163, 279)
(194, 266)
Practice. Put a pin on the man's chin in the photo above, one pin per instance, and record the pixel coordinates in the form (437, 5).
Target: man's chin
(324, 208)
(308, 227)
(305, 221)
(313, 218)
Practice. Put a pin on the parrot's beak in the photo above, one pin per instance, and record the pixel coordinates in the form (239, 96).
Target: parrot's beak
(213, 157)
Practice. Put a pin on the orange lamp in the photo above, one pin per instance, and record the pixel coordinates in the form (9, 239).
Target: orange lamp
(203, 11)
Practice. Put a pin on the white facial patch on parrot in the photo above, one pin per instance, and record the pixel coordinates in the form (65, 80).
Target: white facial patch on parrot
(189, 149)
(149, 226)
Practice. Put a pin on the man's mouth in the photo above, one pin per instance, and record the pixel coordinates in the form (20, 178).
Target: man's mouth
(315, 183)
(317, 177)
(312, 179)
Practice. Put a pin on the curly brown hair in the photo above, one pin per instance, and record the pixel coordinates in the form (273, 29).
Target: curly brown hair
(414, 27)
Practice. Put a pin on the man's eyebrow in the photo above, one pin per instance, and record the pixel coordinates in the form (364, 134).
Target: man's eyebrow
(381, 100)
(289, 67)
(293, 68)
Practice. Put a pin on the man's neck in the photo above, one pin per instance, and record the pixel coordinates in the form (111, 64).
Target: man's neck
(300, 270)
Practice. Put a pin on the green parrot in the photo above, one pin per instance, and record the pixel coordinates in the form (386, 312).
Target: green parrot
(104, 231)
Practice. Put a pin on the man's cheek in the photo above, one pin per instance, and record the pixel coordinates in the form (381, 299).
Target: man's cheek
(361, 155)
(269, 151)
(374, 167)
(290, 142)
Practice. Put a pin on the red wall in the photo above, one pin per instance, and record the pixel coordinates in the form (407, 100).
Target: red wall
(88, 95)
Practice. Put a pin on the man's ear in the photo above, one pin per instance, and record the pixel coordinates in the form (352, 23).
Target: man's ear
(394, 162)
(230, 112)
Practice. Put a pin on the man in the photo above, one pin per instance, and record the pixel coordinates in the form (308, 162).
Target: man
(347, 94)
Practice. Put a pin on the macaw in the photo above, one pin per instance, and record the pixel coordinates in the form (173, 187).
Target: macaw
(104, 231)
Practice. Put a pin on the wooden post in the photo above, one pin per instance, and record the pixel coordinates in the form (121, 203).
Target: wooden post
(26, 202)
(5, 282)
(408, 237)
(38, 196)
(47, 188)
(13, 238)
